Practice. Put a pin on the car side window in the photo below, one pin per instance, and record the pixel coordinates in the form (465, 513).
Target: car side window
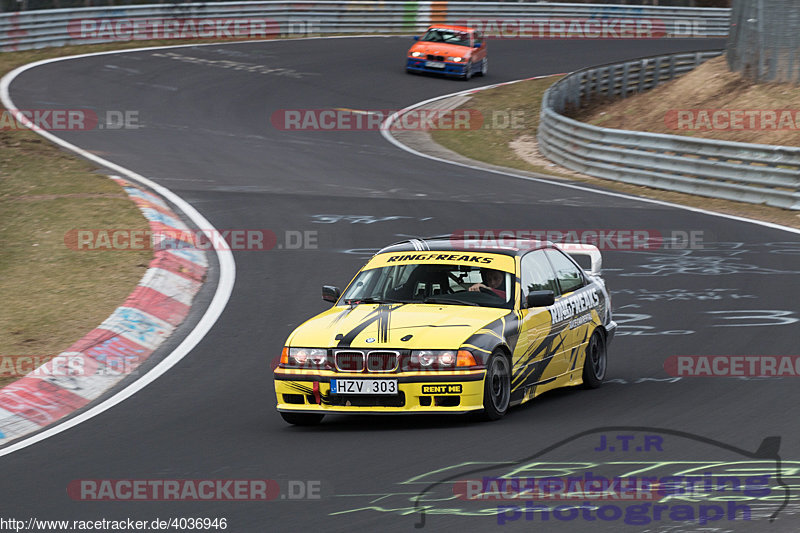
(537, 274)
(568, 274)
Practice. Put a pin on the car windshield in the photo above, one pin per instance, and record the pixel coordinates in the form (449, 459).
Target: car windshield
(439, 35)
(433, 284)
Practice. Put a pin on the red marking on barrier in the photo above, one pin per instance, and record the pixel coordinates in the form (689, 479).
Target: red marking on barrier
(158, 304)
(179, 265)
(39, 401)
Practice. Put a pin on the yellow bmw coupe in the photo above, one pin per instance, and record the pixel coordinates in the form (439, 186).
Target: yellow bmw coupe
(447, 325)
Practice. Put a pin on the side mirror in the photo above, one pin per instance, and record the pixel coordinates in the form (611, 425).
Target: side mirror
(331, 294)
(540, 298)
(416, 37)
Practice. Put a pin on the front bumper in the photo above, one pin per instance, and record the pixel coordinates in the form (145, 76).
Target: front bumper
(450, 69)
(302, 391)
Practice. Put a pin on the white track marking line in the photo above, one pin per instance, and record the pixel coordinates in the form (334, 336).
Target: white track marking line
(227, 266)
(225, 257)
(386, 132)
(227, 276)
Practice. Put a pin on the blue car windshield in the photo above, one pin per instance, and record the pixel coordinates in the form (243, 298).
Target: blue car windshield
(449, 284)
(435, 35)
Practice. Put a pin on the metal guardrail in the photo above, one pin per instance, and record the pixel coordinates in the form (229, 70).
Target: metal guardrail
(728, 170)
(755, 173)
(59, 27)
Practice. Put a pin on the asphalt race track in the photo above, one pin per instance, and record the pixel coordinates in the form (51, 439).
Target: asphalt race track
(206, 135)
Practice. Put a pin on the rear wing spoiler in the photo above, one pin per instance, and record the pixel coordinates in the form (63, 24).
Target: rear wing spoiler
(575, 249)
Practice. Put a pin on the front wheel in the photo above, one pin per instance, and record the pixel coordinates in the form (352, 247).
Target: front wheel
(496, 387)
(596, 362)
(467, 72)
(302, 419)
(484, 67)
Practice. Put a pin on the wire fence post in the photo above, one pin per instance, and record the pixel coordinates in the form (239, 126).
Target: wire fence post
(764, 40)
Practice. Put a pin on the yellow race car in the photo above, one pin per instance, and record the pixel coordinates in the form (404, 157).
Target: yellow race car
(446, 325)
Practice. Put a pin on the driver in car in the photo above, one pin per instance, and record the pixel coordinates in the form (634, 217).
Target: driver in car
(492, 279)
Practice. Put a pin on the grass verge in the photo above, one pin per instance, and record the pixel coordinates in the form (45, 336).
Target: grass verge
(516, 148)
(491, 143)
(53, 295)
(709, 88)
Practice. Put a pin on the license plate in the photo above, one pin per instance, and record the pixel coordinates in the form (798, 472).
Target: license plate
(434, 64)
(363, 386)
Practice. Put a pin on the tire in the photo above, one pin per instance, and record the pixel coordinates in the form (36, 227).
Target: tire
(484, 67)
(496, 387)
(596, 362)
(302, 419)
(467, 73)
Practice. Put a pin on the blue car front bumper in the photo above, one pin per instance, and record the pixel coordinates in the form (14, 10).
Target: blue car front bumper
(450, 69)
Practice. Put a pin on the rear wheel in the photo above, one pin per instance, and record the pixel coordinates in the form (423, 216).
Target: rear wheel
(484, 67)
(596, 363)
(496, 387)
(302, 419)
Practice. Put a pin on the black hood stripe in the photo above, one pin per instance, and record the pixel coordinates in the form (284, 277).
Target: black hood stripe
(381, 314)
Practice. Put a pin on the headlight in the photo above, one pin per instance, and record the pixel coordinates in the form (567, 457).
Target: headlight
(455, 59)
(441, 360)
(447, 359)
(438, 359)
(417, 54)
(307, 357)
(426, 359)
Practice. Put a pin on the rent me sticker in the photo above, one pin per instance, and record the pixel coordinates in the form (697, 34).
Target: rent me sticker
(445, 388)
